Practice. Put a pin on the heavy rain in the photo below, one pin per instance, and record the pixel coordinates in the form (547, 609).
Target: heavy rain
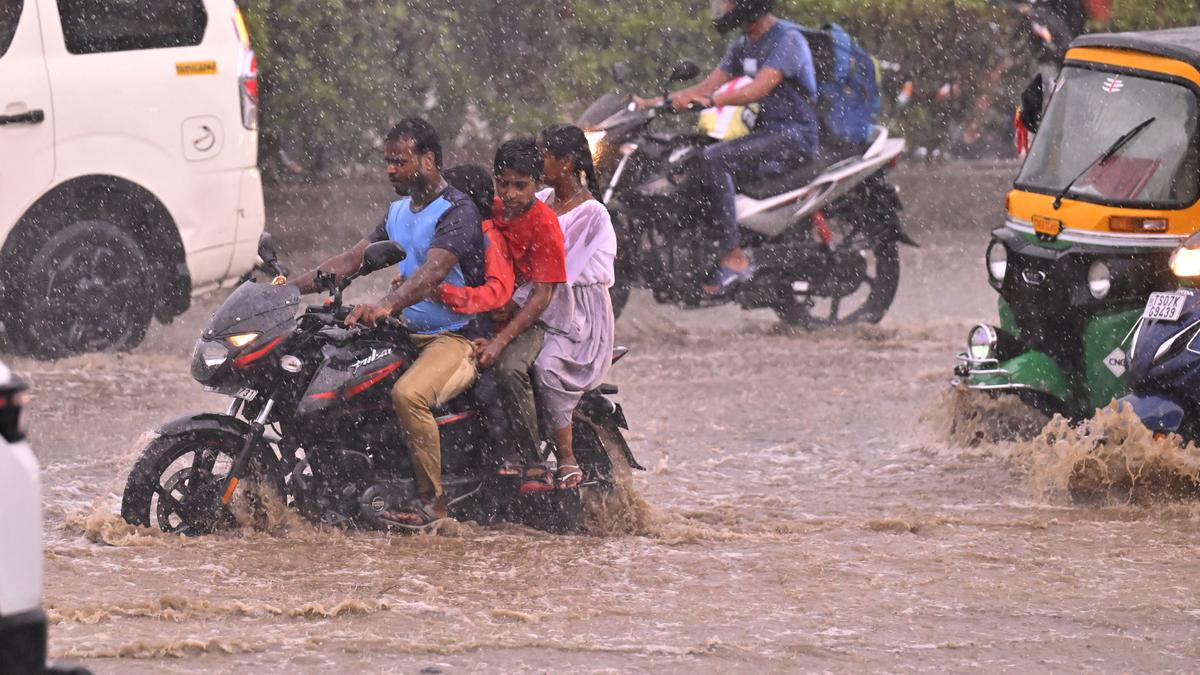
(859, 336)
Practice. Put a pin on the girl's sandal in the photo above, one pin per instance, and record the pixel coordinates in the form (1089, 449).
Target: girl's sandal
(569, 476)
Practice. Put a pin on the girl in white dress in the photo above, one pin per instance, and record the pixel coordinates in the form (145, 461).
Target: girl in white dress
(577, 352)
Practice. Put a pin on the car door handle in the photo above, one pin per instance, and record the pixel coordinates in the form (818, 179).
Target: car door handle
(31, 117)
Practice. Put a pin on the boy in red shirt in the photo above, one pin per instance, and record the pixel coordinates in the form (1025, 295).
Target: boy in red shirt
(535, 242)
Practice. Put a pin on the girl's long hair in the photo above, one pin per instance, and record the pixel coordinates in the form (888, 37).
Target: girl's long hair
(568, 140)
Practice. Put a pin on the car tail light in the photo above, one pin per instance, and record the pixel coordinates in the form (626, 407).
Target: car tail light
(247, 73)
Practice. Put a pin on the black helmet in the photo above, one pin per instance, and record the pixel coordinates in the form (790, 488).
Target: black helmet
(744, 13)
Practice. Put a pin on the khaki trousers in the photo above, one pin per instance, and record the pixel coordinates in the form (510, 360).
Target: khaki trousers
(443, 370)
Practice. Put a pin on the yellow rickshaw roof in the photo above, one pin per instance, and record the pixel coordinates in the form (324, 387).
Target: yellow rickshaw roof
(1181, 44)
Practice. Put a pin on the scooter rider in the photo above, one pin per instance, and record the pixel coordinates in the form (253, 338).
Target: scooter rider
(775, 54)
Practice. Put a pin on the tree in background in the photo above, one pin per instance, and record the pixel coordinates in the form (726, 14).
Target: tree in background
(336, 73)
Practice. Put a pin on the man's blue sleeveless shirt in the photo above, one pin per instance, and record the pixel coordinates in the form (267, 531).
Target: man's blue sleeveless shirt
(414, 231)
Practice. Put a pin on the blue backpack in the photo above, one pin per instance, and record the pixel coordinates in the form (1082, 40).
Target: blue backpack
(847, 85)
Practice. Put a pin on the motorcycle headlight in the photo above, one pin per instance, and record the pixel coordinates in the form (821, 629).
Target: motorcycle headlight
(981, 342)
(1099, 279)
(997, 261)
(593, 141)
(241, 339)
(213, 353)
(1185, 261)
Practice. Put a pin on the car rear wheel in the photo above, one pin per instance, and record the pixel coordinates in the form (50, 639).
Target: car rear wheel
(86, 288)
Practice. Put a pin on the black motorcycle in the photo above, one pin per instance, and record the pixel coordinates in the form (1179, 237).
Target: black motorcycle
(335, 452)
(824, 236)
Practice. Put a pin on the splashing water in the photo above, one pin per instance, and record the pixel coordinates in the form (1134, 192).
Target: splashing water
(968, 418)
(1111, 457)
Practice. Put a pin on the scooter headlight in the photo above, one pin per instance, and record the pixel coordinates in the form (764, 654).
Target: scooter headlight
(997, 261)
(1185, 261)
(981, 342)
(1099, 280)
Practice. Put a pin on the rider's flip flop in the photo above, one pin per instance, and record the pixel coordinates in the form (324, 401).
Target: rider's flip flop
(725, 279)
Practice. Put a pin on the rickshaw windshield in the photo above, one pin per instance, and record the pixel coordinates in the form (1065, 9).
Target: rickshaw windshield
(1090, 109)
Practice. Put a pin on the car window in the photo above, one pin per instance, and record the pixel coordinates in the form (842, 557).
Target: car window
(10, 14)
(91, 26)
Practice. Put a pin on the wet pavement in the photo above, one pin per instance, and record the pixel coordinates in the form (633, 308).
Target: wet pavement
(805, 509)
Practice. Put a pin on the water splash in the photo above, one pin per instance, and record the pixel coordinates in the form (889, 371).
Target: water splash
(1111, 457)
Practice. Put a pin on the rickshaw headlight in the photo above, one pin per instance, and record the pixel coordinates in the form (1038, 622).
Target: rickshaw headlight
(1185, 261)
(1099, 280)
(997, 261)
(981, 342)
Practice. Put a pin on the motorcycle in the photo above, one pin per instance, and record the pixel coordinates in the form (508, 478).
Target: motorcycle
(1164, 352)
(824, 236)
(335, 454)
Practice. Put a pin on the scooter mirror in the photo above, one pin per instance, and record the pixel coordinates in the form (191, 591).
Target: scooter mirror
(379, 255)
(685, 70)
(1031, 104)
(620, 72)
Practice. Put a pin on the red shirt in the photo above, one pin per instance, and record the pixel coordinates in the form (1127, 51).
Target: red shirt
(535, 240)
(498, 282)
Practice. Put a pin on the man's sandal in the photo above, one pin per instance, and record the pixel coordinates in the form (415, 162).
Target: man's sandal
(569, 476)
(416, 516)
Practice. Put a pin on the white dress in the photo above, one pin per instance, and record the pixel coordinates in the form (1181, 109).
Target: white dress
(577, 352)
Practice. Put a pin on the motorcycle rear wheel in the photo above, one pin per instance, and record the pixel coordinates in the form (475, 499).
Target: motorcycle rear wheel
(177, 484)
(881, 281)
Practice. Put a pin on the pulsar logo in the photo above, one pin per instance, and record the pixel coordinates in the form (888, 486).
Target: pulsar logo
(375, 356)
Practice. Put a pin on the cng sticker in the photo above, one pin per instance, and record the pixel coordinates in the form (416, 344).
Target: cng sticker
(195, 68)
(1115, 362)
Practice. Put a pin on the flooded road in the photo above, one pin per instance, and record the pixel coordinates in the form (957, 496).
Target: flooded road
(797, 515)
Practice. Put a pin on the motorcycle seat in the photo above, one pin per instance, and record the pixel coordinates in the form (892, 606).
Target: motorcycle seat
(778, 184)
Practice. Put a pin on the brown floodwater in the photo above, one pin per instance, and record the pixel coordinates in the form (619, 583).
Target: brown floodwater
(814, 502)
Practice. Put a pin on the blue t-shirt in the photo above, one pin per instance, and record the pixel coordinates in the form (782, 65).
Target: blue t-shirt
(788, 108)
(450, 222)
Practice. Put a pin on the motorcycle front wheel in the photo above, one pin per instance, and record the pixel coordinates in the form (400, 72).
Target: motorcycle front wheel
(177, 484)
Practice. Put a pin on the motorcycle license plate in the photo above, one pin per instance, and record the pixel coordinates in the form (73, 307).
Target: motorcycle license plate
(1164, 306)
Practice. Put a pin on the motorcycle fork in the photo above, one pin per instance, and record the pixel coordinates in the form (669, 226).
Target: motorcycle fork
(257, 428)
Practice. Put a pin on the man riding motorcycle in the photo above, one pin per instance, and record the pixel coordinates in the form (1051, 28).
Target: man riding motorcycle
(440, 229)
(776, 55)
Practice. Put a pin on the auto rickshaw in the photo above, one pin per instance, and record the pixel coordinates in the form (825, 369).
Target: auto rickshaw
(1108, 189)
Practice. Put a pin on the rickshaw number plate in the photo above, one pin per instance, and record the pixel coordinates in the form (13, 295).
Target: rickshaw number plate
(1164, 306)
(1047, 227)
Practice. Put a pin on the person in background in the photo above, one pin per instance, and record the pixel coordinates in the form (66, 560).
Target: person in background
(577, 351)
(776, 56)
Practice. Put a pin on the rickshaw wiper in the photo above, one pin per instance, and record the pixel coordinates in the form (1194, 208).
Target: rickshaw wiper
(1112, 150)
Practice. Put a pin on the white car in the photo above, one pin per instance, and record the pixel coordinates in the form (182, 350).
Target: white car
(128, 166)
(22, 621)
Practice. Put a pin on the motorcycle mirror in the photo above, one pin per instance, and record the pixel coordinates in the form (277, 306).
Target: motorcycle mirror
(685, 70)
(381, 254)
(620, 72)
(266, 249)
(1031, 104)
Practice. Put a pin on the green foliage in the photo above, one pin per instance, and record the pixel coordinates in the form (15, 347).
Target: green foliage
(337, 73)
